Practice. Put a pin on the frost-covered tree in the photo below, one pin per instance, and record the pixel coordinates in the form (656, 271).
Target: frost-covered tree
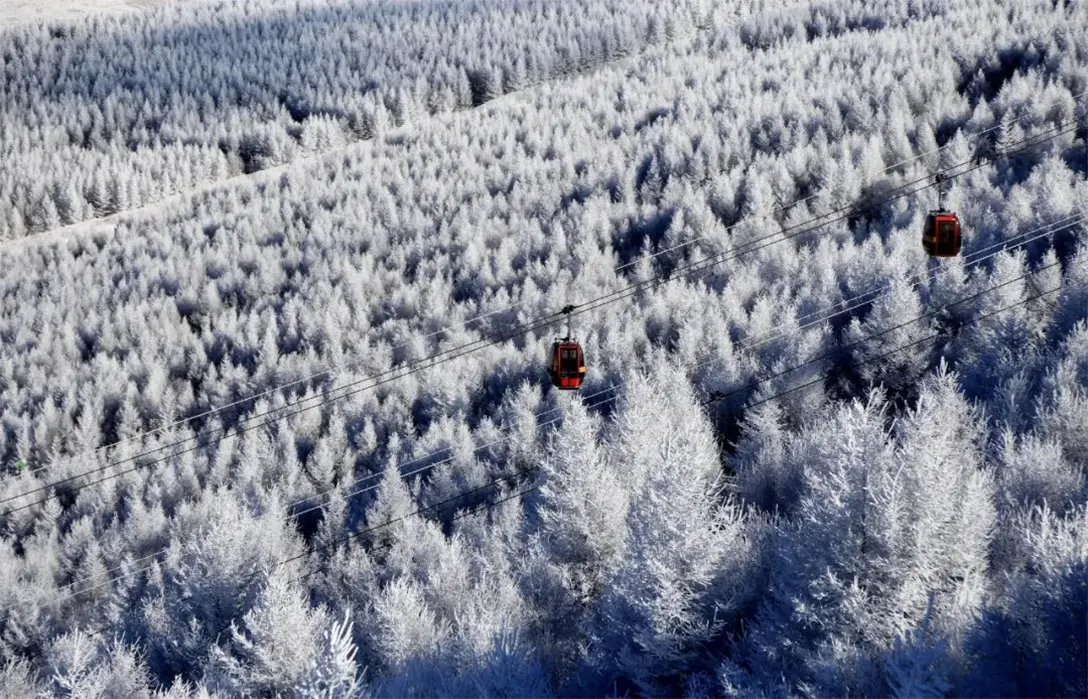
(891, 324)
(83, 665)
(583, 506)
(765, 477)
(917, 666)
(886, 521)
(305, 285)
(17, 678)
(688, 566)
(275, 644)
(333, 673)
(579, 540)
(214, 578)
(1033, 641)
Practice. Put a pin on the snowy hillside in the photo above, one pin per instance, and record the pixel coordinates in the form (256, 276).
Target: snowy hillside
(108, 115)
(16, 12)
(294, 436)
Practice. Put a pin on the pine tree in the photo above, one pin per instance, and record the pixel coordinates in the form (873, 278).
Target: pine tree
(404, 626)
(579, 541)
(15, 225)
(45, 216)
(83, 666)
(815, 596)
(582, 506)
(212, 575)
(889, 324)
(914, 668)
(274, 646)
(764, 475)
(18, 679)
(687, 563)
(1035, 642)
(885, 521)
(393, 503)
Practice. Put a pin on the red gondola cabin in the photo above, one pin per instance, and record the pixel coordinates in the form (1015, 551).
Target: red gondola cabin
(941, 235)
(566, 365)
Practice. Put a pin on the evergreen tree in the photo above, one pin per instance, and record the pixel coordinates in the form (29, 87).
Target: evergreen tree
(885, 522)
(333, 675)
(580, 539)
(275, 644)
(688, 559)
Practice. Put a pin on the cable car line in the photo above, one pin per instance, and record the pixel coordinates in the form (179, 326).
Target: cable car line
(692, 268)
(400, 372)
(363, 532)
(748, 346)
(994, 249)
(253, 398)
(976, 136)
(192, 443)
(489, 505)
(530, 469)
(716, 398)
(885, 355)
(699, 266)
(422, 510)
(1003, 246)
(351, 535)
(888, 168)
(843, 212)
(328, 371)
(884, 171)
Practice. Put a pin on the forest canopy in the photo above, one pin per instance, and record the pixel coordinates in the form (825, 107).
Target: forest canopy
(807, 459)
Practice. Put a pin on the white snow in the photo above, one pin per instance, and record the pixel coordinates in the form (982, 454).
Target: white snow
(14, 12)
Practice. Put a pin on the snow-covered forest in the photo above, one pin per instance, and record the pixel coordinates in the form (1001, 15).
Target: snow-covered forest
(294, 436)
(120, 111)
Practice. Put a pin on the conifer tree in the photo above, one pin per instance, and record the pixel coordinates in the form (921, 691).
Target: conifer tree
(687, 555)
(273, 647)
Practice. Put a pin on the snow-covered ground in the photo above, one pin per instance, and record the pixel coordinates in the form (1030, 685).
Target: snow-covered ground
(14, 12)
